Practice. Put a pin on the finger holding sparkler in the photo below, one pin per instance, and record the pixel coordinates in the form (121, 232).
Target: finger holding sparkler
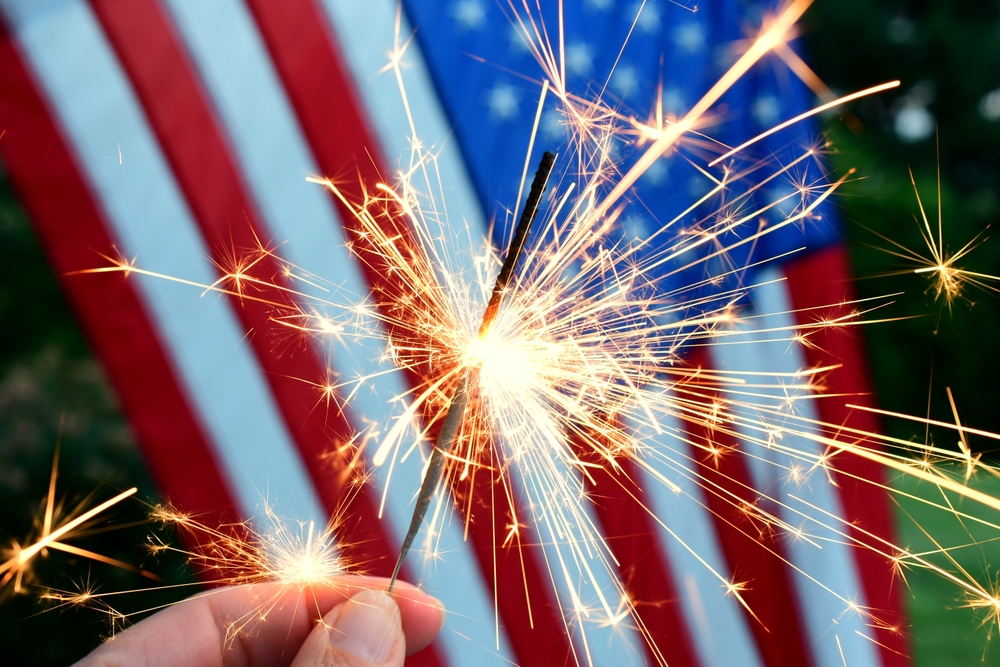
(456, 411)
(355, 614)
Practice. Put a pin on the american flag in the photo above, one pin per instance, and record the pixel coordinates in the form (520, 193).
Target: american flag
(173, 131)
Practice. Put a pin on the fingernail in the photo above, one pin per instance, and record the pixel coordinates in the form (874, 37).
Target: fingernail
(367, 626)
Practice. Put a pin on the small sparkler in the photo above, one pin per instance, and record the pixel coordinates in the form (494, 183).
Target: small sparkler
(456, 411)
(291, 556)
(294, 555)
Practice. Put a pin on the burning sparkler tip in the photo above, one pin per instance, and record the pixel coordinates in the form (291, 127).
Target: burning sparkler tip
(452, 421)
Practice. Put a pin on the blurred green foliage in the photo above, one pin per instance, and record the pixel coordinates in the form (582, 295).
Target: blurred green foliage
(946, 55)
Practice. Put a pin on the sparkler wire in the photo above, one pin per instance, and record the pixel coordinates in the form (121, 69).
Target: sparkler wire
(456, 411)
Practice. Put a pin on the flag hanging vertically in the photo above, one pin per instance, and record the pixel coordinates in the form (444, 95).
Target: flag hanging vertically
(175, 131)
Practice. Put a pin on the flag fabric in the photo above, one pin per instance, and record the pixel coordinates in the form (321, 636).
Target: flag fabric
(175, 131)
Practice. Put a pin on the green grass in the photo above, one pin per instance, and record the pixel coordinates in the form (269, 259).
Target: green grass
(945, 632)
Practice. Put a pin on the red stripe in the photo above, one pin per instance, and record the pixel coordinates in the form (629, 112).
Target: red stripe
(748, 542)
(820, 279)
(72, 226)
(631, 536)
(309, 63)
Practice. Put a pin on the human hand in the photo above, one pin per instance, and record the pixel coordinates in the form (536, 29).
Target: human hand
(361, 626)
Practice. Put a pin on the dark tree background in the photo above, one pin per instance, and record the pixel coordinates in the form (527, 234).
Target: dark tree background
(947, 55)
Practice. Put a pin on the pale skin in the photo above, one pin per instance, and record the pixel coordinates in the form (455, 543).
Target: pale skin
(193, 633)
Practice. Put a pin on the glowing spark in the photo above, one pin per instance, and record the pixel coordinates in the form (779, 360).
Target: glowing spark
(801, 117)
(948, 279)
(56, 531)
(963, 445)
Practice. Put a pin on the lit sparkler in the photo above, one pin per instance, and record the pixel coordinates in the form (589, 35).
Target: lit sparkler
(289, 554)
(557, 381)
(456, 410)
(297, 556)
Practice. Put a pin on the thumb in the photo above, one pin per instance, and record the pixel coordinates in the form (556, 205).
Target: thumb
(364, 631)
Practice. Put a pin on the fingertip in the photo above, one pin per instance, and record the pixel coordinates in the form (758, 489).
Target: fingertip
(423, 616)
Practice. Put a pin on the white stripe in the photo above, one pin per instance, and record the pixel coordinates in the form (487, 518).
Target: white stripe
(720, 633)
(366, 33)
(826, 617)
(273, 154)
(98, 111)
